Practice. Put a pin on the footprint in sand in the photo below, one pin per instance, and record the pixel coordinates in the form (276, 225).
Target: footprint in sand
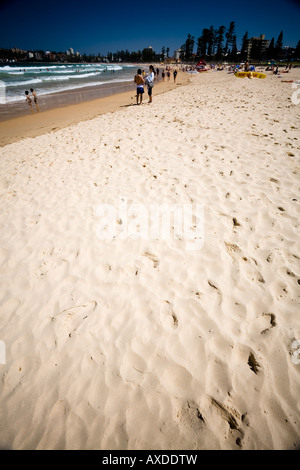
(248, 265)
(235, 222)
(167, 316)
(216, 412)
(191, 416)
(233, 250)
(152, 257)
(70, 319)
(230, 415)
(272, 322)
(253, 364)
(211, 284)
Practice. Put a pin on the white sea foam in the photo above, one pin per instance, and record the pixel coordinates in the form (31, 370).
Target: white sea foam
(6, 68)
(9, 68)
(50, 79)
(55, 79)
(13, 72)
(68, 77)
(24, 82)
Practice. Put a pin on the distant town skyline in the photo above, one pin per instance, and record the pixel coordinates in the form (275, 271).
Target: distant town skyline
(94, 27)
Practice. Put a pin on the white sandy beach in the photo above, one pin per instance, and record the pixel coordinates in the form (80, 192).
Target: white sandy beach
(143, 344)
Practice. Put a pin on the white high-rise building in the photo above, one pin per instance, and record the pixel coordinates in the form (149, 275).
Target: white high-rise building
(177, 54)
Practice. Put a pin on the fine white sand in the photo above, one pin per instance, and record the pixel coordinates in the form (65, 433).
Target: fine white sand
(143, 344)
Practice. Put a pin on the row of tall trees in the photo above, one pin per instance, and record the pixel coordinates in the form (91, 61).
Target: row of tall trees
(214, 43)
(221, 44)
(146, 55)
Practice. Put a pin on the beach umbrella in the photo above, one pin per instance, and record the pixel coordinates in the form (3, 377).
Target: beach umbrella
(201, 62)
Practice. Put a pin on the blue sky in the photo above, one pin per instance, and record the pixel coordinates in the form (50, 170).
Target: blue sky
(96, 26)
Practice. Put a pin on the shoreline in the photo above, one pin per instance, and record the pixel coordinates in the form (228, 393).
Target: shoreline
(61, 116)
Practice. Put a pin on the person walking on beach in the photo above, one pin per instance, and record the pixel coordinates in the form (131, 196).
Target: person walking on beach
(150, 82)
(34, 96)
(175, 75)
(138, 79)
(28, 100)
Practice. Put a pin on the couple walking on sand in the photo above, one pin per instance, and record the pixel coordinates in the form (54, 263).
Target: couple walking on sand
(140, 82)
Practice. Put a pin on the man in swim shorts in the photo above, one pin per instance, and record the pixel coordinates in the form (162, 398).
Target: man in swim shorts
(138, 79)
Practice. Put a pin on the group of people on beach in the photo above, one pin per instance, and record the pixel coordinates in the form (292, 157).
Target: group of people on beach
(168, 73)
(32, 97)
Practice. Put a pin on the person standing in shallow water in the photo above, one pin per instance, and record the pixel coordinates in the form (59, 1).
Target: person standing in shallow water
(34, 96)
(138, 79)
(28, 100)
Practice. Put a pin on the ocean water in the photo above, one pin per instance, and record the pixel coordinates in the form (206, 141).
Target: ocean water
(47, 79)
